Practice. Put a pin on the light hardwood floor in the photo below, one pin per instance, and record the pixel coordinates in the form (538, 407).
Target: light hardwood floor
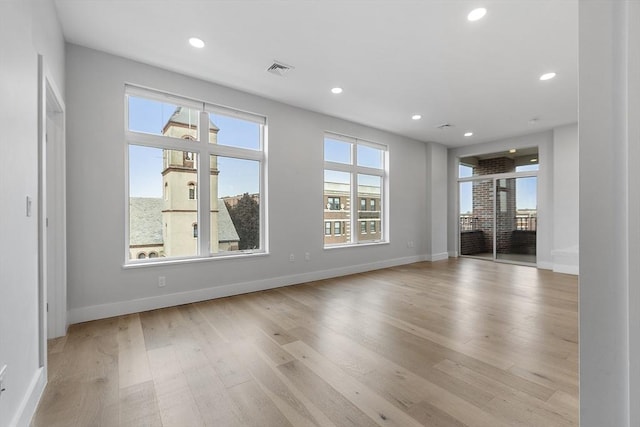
(450, 343)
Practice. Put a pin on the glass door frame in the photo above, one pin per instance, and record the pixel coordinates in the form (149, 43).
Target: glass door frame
(493, 178)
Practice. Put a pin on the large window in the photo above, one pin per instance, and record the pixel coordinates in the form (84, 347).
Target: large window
(195, 178)
(354, 170)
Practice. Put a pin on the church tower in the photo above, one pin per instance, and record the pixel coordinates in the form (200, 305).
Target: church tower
(180, 188)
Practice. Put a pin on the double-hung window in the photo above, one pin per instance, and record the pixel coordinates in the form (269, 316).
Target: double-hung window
(355, 170)
(195, 178)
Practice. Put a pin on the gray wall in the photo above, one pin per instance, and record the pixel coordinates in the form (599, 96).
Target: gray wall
(609, 213)
(436, 212)
(99, 286)
(27, 27)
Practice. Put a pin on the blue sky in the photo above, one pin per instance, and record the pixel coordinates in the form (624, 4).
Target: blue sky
(340, 152)
(145, 164)
(236, 176)
(526, 189)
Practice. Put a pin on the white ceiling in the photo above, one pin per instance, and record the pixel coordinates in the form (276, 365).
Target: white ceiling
(394, 58)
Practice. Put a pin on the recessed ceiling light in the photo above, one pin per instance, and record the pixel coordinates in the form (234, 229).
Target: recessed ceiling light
(476, 14)
(547, 76)
(196, 42)
(336, 90)
(534, 160)
(416, 117)
(468, 134)
(513, 150)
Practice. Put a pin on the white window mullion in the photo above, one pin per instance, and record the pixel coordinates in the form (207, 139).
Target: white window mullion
(168, 156)
(355, 204)
(355, 231)
(204, 189)
(354, 170)
(236, 153)
(164, 142)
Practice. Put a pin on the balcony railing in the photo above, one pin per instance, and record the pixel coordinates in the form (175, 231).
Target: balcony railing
(526, 222)
(523, 222)
(468, 222)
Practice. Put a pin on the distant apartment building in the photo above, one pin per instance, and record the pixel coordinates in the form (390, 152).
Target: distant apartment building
(337, 217)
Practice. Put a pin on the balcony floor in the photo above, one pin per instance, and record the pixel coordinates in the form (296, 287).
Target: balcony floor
(514, 258)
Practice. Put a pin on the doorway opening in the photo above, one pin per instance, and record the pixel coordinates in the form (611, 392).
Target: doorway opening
(497, 205)
(51, 212)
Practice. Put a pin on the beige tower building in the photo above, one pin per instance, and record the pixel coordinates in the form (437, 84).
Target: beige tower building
(180, 186)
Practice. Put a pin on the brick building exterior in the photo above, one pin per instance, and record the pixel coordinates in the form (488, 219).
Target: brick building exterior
(337, 213)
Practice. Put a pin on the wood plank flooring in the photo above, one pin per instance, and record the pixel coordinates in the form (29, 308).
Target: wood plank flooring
(461, 342)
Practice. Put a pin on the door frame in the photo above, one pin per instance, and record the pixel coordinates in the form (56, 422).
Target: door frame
(52, 253)
(493, 178)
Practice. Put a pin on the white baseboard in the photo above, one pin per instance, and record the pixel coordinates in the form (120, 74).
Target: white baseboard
(566, 269)
(102, 311)
(453, 254)
(438, 257)
(545, 265)
(27, 408)
(566, 260)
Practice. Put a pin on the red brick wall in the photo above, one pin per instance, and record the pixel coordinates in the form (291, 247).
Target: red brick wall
(484, 203)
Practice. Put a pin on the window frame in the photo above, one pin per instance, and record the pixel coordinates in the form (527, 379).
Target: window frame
(337, 228)
(333, 206)
(202, 150)
(354, 170)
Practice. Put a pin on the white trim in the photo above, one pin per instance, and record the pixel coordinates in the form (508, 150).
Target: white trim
(566, 260)
(545, 265)
(58, 219)
(505, 175)
(453, 254)
(203, 150)
(204, 202)
(235, 113)
(29, 403)
(355, 245)
(566, 269)
(438, 257)
(182, 101)
(354, 171)
(159, 96)
(102, 311)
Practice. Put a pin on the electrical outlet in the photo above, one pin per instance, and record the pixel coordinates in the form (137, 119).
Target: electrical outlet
(292, 257)
(3, 370)
(307, 256)
(162, 281)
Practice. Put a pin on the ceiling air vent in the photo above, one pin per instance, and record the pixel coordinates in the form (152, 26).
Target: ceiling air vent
(444, 126)
(279, 69)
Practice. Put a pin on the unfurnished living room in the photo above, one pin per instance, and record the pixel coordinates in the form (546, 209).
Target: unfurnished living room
(320, 213)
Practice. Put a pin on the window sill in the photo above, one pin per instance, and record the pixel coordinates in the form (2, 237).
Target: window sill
(178, 261)
(355, 245)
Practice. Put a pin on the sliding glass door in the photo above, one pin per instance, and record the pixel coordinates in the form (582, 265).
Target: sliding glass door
(516, 219)
(476, 219)
(498, 218)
